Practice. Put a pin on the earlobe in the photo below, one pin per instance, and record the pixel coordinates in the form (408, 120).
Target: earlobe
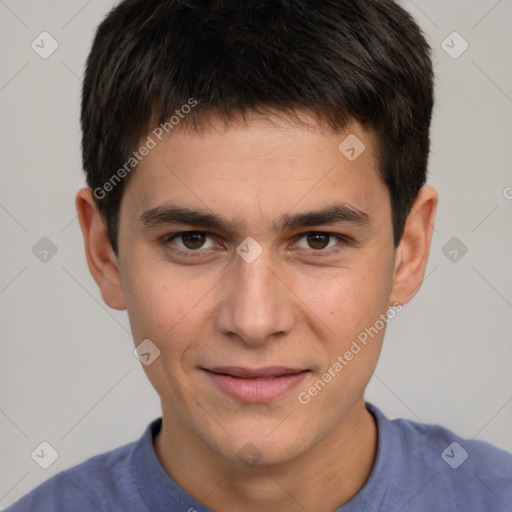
(101, 259)
(412, 253)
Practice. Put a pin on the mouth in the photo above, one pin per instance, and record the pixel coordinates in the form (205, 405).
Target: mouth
(255, 385)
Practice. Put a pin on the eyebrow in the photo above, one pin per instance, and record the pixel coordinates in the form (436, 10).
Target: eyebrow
(172, 215)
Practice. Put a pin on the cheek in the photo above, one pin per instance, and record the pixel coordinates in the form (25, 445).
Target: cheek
(346, 300)
(166, 306)
(154, 306)
(166, 311)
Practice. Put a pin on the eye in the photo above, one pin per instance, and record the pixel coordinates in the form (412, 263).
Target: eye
(197, 243)
(189, 241)
(319, 241)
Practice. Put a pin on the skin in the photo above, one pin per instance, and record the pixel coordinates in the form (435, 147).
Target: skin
(293, 306)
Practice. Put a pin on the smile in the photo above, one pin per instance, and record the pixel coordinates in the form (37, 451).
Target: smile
(255, 386)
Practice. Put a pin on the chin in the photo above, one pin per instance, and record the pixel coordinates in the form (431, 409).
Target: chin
(262, 443)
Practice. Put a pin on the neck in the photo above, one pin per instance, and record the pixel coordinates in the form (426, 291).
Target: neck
(323, 478)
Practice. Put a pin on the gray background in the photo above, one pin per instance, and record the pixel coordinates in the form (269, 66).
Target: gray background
(68, 375)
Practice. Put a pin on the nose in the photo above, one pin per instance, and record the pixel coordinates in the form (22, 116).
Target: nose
(256, 302)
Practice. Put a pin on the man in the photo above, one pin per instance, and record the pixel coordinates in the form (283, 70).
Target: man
(257, 203)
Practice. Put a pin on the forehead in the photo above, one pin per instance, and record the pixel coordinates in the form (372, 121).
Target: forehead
(261, 166)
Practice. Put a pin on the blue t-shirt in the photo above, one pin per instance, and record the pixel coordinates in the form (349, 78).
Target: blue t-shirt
(418, 468)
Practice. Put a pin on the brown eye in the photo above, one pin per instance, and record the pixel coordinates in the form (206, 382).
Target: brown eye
(193, 239)
(322, 243)
(318, 240)
(196, 244)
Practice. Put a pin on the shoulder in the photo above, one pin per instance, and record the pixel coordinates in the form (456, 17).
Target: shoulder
(437, 444)
(448, 471)
(100, 483)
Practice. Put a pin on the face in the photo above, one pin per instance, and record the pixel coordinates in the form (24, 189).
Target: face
(253, 256)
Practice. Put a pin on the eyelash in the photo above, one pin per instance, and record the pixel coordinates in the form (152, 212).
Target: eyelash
(200, 252)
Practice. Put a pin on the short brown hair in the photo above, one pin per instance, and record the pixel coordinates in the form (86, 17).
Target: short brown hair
(363, 60)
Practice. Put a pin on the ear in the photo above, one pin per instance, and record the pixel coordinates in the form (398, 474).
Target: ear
(101, 259)
(412, 253)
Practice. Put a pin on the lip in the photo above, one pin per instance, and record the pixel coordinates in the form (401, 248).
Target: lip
(255, 385)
